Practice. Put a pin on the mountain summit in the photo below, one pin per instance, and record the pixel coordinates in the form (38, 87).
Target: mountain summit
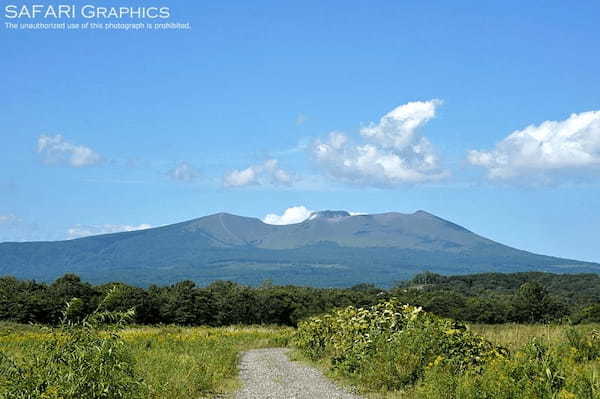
(330, 248)
(329, 215)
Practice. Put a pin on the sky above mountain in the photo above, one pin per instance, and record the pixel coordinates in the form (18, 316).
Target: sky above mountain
(484, 114)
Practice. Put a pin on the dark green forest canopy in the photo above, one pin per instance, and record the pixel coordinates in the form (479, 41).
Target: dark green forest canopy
(485, 298)
(574, 286)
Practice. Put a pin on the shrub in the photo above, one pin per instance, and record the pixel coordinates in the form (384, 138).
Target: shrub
(389, 345)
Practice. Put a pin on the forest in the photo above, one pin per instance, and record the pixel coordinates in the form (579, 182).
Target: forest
(491, 298)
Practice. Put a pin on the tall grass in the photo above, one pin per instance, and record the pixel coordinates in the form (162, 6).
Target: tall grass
(196, 361)
(93, 356)
(75, 360)
(515, 336)
(173, 362)
(431, 359)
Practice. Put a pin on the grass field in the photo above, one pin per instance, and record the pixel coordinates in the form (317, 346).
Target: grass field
(195, 362)
(175, 362)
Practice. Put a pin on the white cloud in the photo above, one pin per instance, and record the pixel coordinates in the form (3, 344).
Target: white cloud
(393, 152)
(295, 214)
(268, 172)
(397, 129)
(569, 145)
(56, 150)
(184, 172)
(89, 230)
(239, 178)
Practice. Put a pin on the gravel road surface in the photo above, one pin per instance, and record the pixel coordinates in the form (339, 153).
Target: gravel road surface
(269, 374)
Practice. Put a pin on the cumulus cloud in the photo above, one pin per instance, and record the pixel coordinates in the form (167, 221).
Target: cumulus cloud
(397, 129)
(392, 151)
(91, 230)
(268, 172)
(239, 178)
(56, 150)
(569, 145)
(295, 214)
(183, 172)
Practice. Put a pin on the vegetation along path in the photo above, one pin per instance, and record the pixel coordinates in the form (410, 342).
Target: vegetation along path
(269, 374)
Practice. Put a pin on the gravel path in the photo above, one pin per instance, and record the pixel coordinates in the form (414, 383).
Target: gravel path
(269, 374)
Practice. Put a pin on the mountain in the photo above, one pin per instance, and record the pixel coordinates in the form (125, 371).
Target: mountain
(330, 248)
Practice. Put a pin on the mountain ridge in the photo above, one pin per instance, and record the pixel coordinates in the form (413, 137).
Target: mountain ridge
(330, 248)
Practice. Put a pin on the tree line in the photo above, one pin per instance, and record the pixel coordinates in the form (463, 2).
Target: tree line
(483, 298)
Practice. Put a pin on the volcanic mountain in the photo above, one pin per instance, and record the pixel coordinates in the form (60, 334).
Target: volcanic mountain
(330, 248)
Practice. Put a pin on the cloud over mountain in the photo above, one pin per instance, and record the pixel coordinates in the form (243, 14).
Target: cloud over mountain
(295, 214)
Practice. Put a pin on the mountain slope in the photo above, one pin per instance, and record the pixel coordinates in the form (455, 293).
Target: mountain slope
(331, 248)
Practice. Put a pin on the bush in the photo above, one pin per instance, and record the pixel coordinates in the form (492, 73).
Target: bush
(389, 345)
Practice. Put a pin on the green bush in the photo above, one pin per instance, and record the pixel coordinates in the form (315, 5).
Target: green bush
(390, 345)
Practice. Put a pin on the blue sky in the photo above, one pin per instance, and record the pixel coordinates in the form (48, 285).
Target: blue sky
(484, 113)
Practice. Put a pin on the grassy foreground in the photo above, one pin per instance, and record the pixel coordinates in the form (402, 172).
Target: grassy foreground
(397, 351)
(512, 336)
(174, 362)
(195, 362)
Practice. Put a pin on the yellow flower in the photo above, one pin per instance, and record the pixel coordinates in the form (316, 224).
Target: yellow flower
(438, 360)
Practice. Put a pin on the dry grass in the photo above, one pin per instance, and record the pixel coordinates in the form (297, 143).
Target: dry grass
(514, 336)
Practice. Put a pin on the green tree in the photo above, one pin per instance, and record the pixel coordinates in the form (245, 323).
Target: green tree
(533, 303)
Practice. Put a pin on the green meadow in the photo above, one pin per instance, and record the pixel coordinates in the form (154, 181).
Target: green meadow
(173, 362)
(201, 362)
